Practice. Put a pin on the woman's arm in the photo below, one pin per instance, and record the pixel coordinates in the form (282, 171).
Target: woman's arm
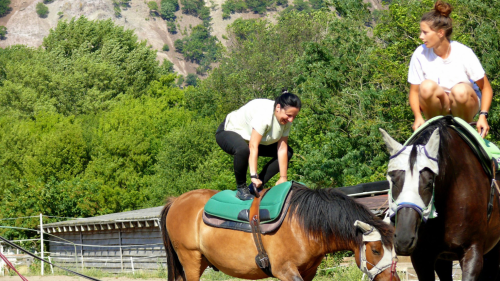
(283, 159)
(415, 106)
(255, 139)
(486, 98)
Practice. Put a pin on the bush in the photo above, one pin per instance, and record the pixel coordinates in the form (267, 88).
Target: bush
(179, 45)
(3, 32)
(4, 7)
(168, 9)
(153, 7)
(166, 48)
(42, 10)
(191, 79)
(172, 28)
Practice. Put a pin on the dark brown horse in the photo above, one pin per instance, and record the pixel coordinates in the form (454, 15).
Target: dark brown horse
(438, 169)
(317, 222)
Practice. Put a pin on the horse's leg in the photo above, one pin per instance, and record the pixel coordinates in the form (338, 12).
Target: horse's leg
(472, 263)
(423, 263)
(491, 265)
(444, 269)
(194, 264)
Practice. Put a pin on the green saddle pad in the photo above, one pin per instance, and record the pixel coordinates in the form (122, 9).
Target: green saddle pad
(485, 149)
(225, 204)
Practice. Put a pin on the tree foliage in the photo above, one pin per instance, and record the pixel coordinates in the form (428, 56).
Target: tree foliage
(4, 7)
(3, 32)
(42, 10)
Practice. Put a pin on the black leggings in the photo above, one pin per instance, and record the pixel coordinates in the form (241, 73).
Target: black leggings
(235, 145)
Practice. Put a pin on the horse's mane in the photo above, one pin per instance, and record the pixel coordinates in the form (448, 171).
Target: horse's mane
(444, 138)
(329, 215)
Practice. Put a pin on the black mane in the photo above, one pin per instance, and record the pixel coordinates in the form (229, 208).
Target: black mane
(328, 214)
(444, 139)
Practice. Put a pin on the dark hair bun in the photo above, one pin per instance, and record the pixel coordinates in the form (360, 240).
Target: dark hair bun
(443, 8)
(284, 91)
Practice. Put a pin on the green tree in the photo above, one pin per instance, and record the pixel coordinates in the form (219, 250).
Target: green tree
(3, 32)
(4, 7)
(172, 28)
(191, 79)
(153, 7)
(42, 10)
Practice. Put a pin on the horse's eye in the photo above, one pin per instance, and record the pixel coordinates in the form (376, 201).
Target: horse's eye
(375, 252)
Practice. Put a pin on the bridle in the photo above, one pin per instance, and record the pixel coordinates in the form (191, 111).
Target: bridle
(409, 198)
(390, 259)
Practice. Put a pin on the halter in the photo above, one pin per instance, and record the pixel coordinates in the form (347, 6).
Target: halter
(388, 260)
(409, 196)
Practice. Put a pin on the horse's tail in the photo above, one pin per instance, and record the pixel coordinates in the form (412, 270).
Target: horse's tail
(174, 266)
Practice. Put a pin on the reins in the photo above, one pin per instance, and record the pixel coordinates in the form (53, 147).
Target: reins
(40, 259)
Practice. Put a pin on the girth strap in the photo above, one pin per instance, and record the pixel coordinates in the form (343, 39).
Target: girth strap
(261, 259)
(494, 185)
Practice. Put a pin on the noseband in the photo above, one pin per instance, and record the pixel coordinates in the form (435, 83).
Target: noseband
(389, 259)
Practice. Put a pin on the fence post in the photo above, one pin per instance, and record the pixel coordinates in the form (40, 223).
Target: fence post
(41, 240)
(132, 263)
(2, 263)
(121, 250)
(51, 267)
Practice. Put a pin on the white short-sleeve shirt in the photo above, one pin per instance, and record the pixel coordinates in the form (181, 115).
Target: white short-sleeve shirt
(257, 114)
(461, 66)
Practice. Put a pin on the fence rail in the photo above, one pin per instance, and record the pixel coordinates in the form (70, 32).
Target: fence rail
(115, 250)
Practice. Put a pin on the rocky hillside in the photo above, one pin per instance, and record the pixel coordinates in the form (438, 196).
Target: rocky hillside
(25, 27)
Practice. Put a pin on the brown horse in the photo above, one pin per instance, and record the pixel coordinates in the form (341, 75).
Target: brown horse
(438, 168)
(317, 222)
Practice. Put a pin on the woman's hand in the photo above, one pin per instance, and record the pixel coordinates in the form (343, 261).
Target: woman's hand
(281, 180)
(419, 121)
(257, 183)
(482, 126)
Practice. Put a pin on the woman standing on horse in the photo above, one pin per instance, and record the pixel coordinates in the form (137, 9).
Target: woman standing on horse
(259, 128)
(446, 77)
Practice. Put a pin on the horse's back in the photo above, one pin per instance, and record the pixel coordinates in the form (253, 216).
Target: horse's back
(185, 215)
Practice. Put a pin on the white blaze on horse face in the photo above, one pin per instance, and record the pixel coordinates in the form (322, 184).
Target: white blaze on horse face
(426, 158)
(371, 234)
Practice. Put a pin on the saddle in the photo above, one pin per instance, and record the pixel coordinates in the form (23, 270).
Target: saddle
(263, 214)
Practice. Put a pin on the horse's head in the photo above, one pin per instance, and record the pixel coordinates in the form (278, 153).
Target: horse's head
(376, 260)
(411, 174)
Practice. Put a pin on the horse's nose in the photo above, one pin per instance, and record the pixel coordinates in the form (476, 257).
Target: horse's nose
(404, 246)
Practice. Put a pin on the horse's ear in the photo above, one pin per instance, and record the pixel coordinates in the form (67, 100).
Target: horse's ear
(432, 145)
(392, 145)
(363, 226)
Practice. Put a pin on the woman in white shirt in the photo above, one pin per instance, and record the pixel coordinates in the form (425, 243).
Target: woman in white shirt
(446, 77)
(259, 128)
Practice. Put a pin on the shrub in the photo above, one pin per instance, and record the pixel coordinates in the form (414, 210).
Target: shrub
(172, 28)
(42, 10)
(153, 7)
(3, 32)
(191, 79)
(4, 7)
(166, 48)
(179, 45)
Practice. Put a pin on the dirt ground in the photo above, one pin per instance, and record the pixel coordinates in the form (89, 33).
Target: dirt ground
(69, 278)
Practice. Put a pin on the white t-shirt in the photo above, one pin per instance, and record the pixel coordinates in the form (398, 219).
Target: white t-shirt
(257, 114)
(461, 66)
